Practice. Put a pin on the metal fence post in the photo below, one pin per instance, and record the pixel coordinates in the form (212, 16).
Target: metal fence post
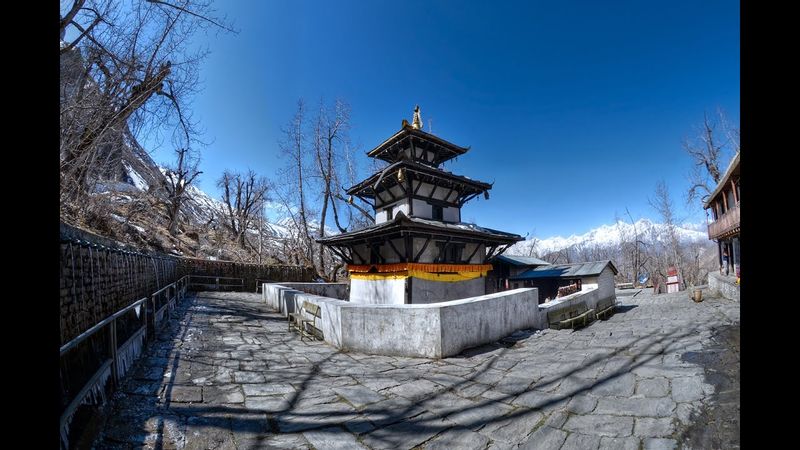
(155, 310)
(112, 344)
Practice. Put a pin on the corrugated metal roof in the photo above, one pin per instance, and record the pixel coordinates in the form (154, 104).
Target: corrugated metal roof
(522, 260)
(587, 269)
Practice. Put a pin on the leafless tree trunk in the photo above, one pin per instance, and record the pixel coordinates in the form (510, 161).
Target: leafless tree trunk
(292, 186)
(662, 203)
(178, 179)
(710, 150)
(243, 195)
(124, 64)
(330, 131)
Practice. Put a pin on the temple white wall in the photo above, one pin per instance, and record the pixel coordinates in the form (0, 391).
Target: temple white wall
(426, 291)
(401, 205)
(378, 292)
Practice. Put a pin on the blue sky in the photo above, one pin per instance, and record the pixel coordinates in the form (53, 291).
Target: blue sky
(573, 109)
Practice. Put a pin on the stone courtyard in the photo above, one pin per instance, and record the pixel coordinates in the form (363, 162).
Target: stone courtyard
(227, 374)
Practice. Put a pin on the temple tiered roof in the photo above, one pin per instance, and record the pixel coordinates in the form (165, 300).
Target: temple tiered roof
(412, 143)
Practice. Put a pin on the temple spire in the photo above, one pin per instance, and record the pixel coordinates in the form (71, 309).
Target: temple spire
(417, 123)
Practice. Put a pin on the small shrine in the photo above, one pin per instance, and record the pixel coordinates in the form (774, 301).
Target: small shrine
(419, 250)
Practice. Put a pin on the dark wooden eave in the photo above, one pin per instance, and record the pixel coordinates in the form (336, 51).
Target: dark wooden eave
(391, 150)
(402, 225)
(387, 178)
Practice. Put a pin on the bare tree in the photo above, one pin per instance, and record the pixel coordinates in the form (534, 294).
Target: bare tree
(671, 249)
(243, 196)
(716, 139)
(330, 133)
(125, 65)
(319, 159)
(632, 256)
(292, 186)
(178, 178)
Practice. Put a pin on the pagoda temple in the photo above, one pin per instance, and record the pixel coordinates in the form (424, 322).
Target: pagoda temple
(419, 250)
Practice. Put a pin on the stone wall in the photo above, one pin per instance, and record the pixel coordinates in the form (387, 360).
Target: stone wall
(249, 272)
(99, 276)
(724, 286)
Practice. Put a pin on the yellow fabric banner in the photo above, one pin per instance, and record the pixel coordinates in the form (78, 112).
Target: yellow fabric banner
(450, 277)
(379, 276)
(422, 267)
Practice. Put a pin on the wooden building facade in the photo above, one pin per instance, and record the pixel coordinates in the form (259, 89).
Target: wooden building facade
(722, 208)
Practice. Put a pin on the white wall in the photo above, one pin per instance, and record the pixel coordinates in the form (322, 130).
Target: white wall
(426, 291)
(430, 251)
(333, 290)
(439, 194)
(604, 282)
(588, 297)
(477, 258)
(450, 214)
(388, 253)
(378, 292)
(437, 330)
(400, 205)
(588, 283)
(422, 209)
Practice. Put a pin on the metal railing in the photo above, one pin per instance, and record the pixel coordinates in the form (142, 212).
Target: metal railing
(726, 223)
(216, 283)
(120, 358)
(151, 311)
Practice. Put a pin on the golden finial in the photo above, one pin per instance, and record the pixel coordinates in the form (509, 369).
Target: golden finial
(400, 175)
(417, 123)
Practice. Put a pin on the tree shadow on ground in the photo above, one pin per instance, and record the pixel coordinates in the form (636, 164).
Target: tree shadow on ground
(622, 309)
(384, 423)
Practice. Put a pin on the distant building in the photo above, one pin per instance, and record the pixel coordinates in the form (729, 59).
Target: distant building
(506, 266)
(557, 280)
(725, 226)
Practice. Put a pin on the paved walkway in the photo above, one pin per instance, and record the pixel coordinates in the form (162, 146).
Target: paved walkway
(228, 375)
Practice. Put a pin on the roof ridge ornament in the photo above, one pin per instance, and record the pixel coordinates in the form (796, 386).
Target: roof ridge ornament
(417, 123)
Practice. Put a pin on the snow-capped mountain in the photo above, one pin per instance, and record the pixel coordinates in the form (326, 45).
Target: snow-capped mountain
(607, 235)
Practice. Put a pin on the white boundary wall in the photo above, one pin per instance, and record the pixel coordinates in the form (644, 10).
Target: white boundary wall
(435, 330)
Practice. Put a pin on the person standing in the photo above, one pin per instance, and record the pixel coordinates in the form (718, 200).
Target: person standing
(725, 260)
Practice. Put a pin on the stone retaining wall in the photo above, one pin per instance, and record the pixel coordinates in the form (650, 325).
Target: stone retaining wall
(724, 286)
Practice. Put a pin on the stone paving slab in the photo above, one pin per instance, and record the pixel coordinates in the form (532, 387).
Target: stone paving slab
(227, 374)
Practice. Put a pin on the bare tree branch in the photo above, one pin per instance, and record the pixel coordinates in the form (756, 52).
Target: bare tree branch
(187, 11)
